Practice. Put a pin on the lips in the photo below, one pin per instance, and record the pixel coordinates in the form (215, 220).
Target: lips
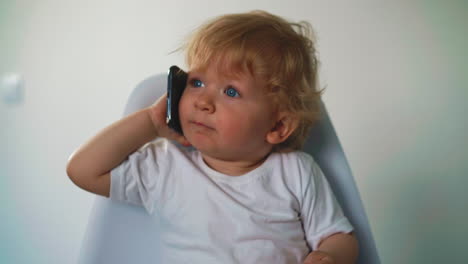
(200, 125)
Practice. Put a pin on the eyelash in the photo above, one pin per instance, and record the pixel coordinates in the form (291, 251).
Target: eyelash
(230, 88)
(193, 82)
(197, 83)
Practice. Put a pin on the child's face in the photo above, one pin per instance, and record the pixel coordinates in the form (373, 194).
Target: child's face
(226, 118)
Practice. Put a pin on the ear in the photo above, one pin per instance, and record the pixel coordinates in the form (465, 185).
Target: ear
(283, 128)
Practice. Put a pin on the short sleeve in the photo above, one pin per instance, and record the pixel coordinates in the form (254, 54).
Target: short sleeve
(321, 214)
(135, 180)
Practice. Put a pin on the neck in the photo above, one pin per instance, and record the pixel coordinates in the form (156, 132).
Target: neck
(234, 168)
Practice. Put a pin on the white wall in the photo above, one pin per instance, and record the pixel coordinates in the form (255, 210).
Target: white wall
(397, 88)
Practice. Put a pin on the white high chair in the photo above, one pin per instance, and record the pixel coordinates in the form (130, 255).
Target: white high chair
(118, 233)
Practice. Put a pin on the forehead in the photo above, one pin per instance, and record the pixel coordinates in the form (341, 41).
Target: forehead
(223, 66)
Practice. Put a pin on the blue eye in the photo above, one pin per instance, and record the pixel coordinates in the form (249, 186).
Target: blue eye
(196, 83)
(231, 92)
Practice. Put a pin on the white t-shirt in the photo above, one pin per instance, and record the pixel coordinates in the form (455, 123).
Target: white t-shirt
(275, 213)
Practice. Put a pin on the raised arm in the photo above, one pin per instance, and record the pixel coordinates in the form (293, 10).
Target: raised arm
(90, 165)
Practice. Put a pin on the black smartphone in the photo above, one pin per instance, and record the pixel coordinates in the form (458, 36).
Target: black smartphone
(176, 82)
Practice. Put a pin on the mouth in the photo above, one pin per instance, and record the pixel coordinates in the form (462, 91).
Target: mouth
(200, 125)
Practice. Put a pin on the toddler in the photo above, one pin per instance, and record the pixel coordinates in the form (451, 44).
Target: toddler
(244, 193)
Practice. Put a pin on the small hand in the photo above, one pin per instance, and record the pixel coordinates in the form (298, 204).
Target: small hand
(157, 112)
(319, 257)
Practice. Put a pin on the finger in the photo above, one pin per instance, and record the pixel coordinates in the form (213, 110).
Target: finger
(320, 261)
(173, 135)
(158, 112)
(317, 257)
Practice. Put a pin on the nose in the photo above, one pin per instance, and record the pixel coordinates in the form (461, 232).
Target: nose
(205, 103)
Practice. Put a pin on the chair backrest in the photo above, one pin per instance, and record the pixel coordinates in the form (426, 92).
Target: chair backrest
(121, 233)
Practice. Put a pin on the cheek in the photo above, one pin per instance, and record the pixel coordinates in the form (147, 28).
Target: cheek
(183, 106)
(244, 127)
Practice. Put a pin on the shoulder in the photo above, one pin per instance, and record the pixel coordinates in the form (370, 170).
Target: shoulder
(301, 168)
(161, 152)
(298, 159)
